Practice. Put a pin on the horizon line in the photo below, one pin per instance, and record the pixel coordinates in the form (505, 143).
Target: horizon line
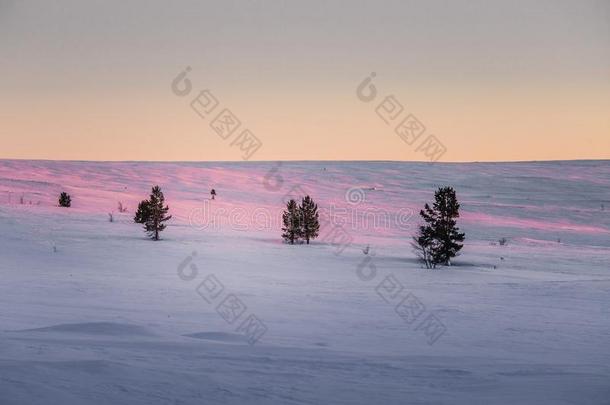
(308, 161)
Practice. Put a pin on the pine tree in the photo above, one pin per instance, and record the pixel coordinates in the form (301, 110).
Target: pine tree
(153, 213)
(439, 239)
(310, 224)
(64, 199)
(142, 213)
(292, 223)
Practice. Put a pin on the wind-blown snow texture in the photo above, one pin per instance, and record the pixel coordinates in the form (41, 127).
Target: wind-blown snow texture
(94, 313)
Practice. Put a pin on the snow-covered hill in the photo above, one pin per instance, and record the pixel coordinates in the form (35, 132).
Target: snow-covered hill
(221, 312)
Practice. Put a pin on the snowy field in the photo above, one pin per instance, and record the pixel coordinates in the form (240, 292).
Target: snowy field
(92, 312)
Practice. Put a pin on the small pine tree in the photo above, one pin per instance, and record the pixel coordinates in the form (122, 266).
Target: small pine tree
(292, 222)
(310, 223)
(153, 213)
(142, 213)
(439, 239)
(64, 199)
(158, 213)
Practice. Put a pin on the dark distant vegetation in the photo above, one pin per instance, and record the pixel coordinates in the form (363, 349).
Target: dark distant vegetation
(65, 200)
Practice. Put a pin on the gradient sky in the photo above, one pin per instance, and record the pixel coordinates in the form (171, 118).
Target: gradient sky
(492, 80)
